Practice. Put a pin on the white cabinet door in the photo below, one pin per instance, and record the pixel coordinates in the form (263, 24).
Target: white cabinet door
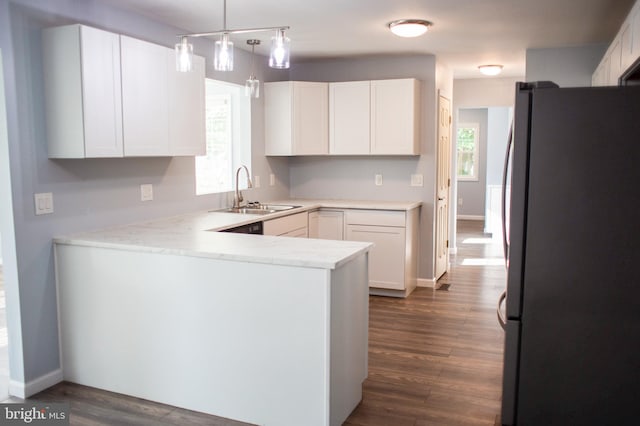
(626, 58)
(82, 92)
(296, 118)
(349, 118)
(286, 224)
(145, 98)
(187, 127)
(326, 225)
(635, 35)
(387, 257)
(395, 117)
(615, 57)
(310, 118)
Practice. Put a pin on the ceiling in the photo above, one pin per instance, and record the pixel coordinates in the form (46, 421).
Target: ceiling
(465, 34)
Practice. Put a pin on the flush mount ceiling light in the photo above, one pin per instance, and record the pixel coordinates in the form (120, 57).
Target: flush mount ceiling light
(409, 27)
(490, 69)
(223, 55)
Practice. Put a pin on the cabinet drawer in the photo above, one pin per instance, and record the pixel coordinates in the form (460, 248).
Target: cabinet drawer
(376, 217)
(282, 225)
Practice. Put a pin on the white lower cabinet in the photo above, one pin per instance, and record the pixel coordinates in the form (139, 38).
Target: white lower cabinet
(393, 261)
(295, 225)
(386, 258)
(326, 224)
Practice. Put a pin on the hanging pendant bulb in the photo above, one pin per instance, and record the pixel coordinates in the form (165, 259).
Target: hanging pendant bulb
(184, 55)
(280, 46)
(223, 55)
(252, 85)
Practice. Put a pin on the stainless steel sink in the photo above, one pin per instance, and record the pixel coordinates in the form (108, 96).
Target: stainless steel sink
(258, 209)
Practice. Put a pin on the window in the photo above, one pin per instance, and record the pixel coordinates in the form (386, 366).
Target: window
(228, 120)
(467, 143)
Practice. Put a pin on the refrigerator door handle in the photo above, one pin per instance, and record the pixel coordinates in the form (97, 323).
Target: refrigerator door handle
(501, 319)
(507, 159)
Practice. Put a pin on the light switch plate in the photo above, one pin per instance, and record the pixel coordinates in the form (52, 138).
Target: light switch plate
(256, 181)
(272, 179)
(44, 203)
(146, 192)
(378, 180)
(417, 180)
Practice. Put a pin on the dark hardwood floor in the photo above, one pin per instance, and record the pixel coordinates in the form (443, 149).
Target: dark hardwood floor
(435, 358)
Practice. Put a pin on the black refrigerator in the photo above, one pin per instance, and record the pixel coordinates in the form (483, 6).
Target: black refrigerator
(572, 324)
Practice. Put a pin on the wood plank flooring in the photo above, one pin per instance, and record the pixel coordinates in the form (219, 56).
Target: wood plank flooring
(435, 358)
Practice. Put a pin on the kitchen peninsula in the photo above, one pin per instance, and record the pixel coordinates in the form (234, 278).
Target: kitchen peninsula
(261, 329)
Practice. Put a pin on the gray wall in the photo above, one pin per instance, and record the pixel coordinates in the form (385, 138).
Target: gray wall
(353, 178)
(498, 124)
(91, 193)
(473, 192)
(567, 66)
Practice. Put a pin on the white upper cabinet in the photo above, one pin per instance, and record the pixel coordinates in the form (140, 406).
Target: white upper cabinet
(395, 117)
(82, 92)
(622, 53)
(349, 118)
(380, 117)
(635, 33)
(112, 96)
(615, 54)
(296, 118)
(145, 98)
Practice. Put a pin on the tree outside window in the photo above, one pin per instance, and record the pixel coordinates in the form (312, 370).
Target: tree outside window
(467, 151)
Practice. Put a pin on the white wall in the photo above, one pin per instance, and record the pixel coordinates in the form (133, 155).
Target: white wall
(566, 66)
(353, 177)
(87, 193)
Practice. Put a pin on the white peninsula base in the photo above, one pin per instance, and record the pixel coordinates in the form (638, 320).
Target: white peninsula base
(268, 344)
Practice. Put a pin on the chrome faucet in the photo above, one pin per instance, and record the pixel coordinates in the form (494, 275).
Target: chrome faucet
(238, 197)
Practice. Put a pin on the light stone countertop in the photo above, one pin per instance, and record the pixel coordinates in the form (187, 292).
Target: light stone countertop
(192, 235)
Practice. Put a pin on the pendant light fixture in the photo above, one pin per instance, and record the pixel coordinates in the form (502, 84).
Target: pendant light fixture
(223, 54)
(279, 57)
(252, 86)
(184, 55)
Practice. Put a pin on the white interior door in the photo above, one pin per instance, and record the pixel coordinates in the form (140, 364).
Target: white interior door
(443, 183)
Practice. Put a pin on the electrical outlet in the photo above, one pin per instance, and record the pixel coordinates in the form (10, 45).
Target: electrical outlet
(146, 192)
(417, 180)
(460, 202)
(272, 179)
(44, 203)
(256, 181)
(378, 180)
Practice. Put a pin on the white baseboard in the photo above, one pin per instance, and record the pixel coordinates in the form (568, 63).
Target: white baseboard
(427, 282)
(469, 217)
(25, 390)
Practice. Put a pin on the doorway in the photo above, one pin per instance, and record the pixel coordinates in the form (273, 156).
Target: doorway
(481, 142)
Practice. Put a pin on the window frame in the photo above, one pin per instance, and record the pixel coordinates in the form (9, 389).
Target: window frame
(476, 153)
(240, 135)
